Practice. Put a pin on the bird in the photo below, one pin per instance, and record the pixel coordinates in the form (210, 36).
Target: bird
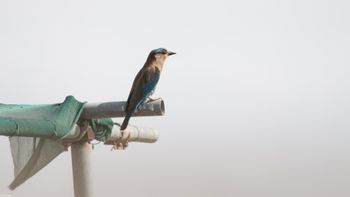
(145, 83)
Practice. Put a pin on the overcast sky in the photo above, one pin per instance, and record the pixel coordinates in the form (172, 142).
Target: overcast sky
(257, 97)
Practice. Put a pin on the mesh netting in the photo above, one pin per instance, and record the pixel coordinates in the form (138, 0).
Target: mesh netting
(37, 133)
(48, 123)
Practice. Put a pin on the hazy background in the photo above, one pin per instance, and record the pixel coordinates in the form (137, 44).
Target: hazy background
(257, 97)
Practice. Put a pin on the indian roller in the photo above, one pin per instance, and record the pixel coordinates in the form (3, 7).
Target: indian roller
(145, 83)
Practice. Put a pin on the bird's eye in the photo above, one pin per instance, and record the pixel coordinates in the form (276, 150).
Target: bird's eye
(164, 52)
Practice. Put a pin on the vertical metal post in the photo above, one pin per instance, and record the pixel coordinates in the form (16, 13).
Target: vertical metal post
(81, 153)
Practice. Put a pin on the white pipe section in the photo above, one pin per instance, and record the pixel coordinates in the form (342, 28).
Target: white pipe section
(137, 134)
(81, 161)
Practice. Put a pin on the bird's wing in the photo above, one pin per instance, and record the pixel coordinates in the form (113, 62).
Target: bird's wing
(143, 86)
(132, 93)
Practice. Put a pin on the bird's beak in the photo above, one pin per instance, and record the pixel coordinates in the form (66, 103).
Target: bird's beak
(171, 53)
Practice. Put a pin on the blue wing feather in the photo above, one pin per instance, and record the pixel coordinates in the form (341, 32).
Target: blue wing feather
(151, 84)
(149, 87)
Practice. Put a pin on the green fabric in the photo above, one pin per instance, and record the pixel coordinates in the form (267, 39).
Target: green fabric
(102, 128)
(54, 121)
(36, 132)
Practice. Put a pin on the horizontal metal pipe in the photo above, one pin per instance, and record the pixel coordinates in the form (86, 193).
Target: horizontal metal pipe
(75, 134)
(117, 109)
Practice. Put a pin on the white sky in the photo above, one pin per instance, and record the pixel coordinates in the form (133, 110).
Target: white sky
(257, 98)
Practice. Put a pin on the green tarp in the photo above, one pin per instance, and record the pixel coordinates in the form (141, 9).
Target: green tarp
(37, 133)
(102, 128)
(53, 121)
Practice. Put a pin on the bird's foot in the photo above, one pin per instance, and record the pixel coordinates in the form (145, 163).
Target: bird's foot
(123, 141)
(152, 98)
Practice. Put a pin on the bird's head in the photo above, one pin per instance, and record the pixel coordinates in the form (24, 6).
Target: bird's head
(161, 53)
(159, 56)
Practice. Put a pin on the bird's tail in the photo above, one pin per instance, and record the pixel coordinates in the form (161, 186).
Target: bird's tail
(126, 121)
